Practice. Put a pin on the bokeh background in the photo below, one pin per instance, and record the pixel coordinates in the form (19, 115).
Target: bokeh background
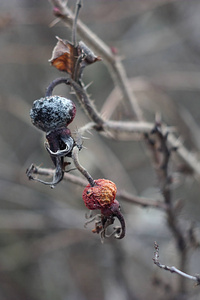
(45, 251)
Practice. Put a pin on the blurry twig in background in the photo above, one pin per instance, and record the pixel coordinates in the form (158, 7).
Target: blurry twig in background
(161, 155)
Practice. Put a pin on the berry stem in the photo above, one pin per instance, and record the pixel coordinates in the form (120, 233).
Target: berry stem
(81, 168)
(54, 83)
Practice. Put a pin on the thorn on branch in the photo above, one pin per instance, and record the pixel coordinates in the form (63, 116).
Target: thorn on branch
(163, 146)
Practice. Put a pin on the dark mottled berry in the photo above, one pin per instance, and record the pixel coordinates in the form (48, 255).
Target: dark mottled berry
(52, 112)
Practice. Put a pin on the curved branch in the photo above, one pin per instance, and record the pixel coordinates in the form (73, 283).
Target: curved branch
(53, 84)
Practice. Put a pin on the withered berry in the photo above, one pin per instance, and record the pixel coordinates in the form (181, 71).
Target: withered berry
(102, 196)
(52, 112)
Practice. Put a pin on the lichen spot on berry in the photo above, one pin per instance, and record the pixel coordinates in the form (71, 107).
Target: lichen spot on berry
(52, 112)
(102, 195)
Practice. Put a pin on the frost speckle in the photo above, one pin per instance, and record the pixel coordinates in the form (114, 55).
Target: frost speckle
(52, 112)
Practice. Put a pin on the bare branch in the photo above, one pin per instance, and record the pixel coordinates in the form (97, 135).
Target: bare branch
(172, 269)
(188, 157)
(161, 154)
(141, 201)
(123, 195)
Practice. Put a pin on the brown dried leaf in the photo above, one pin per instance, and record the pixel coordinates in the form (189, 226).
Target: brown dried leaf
(89, 56)
(64, 56)
(70, 59)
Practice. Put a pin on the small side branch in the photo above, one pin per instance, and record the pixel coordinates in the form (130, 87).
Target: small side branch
(123, 195)
(141, 201)
(172, 269)
(78, 7)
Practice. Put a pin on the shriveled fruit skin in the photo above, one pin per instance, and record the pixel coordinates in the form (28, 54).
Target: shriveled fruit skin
(52, 112)
(100, 196)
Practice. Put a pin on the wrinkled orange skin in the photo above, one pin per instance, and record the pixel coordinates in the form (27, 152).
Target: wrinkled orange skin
(100, 196)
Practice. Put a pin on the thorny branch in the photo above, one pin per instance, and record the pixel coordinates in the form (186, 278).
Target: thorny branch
(116, 128)
(120, 131)
(172, 269)
(160, 154)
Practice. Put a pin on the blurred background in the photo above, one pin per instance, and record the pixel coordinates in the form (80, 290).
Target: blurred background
(45, 251)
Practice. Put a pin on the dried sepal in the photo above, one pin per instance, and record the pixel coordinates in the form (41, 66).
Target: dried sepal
(52, 114)
(88, 55)
(102, 223)
(64, 56)
(68, 58)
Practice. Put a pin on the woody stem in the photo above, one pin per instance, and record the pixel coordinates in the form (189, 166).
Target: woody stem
(54, 83)
(81, 168)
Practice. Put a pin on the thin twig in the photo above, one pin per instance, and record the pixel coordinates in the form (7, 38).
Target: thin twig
(161, 156)
(141, 201)
(78, 7)
(172, 269)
